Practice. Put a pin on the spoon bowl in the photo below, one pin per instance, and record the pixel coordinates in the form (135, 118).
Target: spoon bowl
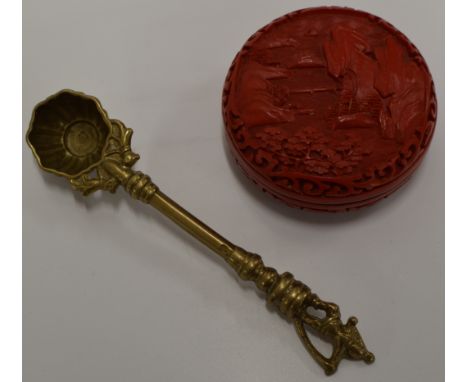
(68, 133)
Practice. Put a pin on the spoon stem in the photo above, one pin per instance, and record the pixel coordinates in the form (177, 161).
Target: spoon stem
(191, 224)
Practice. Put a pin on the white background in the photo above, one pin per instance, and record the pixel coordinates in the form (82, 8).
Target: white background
(114, 292)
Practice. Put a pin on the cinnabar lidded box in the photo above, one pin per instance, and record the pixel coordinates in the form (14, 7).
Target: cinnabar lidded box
(329, 108)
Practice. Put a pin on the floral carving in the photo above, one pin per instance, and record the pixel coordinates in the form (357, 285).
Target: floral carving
(311, 148)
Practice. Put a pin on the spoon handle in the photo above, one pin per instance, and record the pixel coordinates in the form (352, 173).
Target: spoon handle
(290, 297)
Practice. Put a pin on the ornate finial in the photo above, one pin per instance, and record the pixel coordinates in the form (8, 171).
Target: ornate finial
(346, 339)
(292, 298)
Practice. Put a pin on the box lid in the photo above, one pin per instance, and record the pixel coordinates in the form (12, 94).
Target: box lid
(329, 108)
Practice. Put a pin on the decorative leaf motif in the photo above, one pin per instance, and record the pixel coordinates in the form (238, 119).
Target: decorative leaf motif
(118, 148)
(87, 185)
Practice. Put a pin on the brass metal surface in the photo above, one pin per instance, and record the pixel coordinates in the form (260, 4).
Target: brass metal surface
(71, 135)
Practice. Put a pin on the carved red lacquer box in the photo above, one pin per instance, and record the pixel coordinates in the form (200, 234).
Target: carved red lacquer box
(329, 108)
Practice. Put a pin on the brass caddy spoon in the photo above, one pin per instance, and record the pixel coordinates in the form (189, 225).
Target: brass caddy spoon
(71, 135)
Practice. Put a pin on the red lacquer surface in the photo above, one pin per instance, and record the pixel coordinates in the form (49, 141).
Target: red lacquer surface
(329, 108)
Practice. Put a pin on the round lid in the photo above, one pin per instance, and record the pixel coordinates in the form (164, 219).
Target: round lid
(329, 108)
